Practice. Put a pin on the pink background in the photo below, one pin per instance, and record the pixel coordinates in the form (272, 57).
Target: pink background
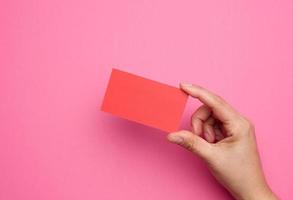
(55, 61)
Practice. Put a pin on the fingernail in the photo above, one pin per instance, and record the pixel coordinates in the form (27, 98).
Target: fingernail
(176, 139)
(185, 84)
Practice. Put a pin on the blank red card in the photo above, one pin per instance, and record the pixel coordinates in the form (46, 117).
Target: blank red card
(144, 101)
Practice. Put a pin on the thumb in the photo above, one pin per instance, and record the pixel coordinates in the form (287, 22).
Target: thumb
(191, 142)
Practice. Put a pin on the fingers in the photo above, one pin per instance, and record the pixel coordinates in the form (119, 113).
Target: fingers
(220, 108)
(203, 122)
(191, 142)
(209, 132)
(219, 135)
(199, 117)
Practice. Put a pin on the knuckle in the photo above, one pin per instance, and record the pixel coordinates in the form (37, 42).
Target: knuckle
(246, 126)
(219, 100)
(198, 87)
(189, 146)
(248, 123)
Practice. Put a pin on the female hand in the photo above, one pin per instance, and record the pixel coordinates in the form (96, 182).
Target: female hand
(225, 140)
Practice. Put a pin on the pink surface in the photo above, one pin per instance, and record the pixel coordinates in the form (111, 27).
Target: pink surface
(56, 57)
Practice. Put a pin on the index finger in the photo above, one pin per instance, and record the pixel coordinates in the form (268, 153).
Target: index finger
(221, 109)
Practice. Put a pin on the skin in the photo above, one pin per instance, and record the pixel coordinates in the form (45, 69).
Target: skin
(225, 140)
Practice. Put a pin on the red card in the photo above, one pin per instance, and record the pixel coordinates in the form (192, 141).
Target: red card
(145, 101)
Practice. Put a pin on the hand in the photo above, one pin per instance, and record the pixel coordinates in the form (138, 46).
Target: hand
(225, 140)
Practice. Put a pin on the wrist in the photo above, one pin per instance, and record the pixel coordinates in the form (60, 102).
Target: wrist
(259, 193)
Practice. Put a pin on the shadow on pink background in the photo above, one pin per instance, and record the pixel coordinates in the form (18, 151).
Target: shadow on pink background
(56, 58)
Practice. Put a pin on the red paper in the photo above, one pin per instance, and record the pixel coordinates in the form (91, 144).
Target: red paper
(145, 101)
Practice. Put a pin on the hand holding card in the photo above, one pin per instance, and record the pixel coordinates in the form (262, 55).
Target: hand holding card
(144, 101)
